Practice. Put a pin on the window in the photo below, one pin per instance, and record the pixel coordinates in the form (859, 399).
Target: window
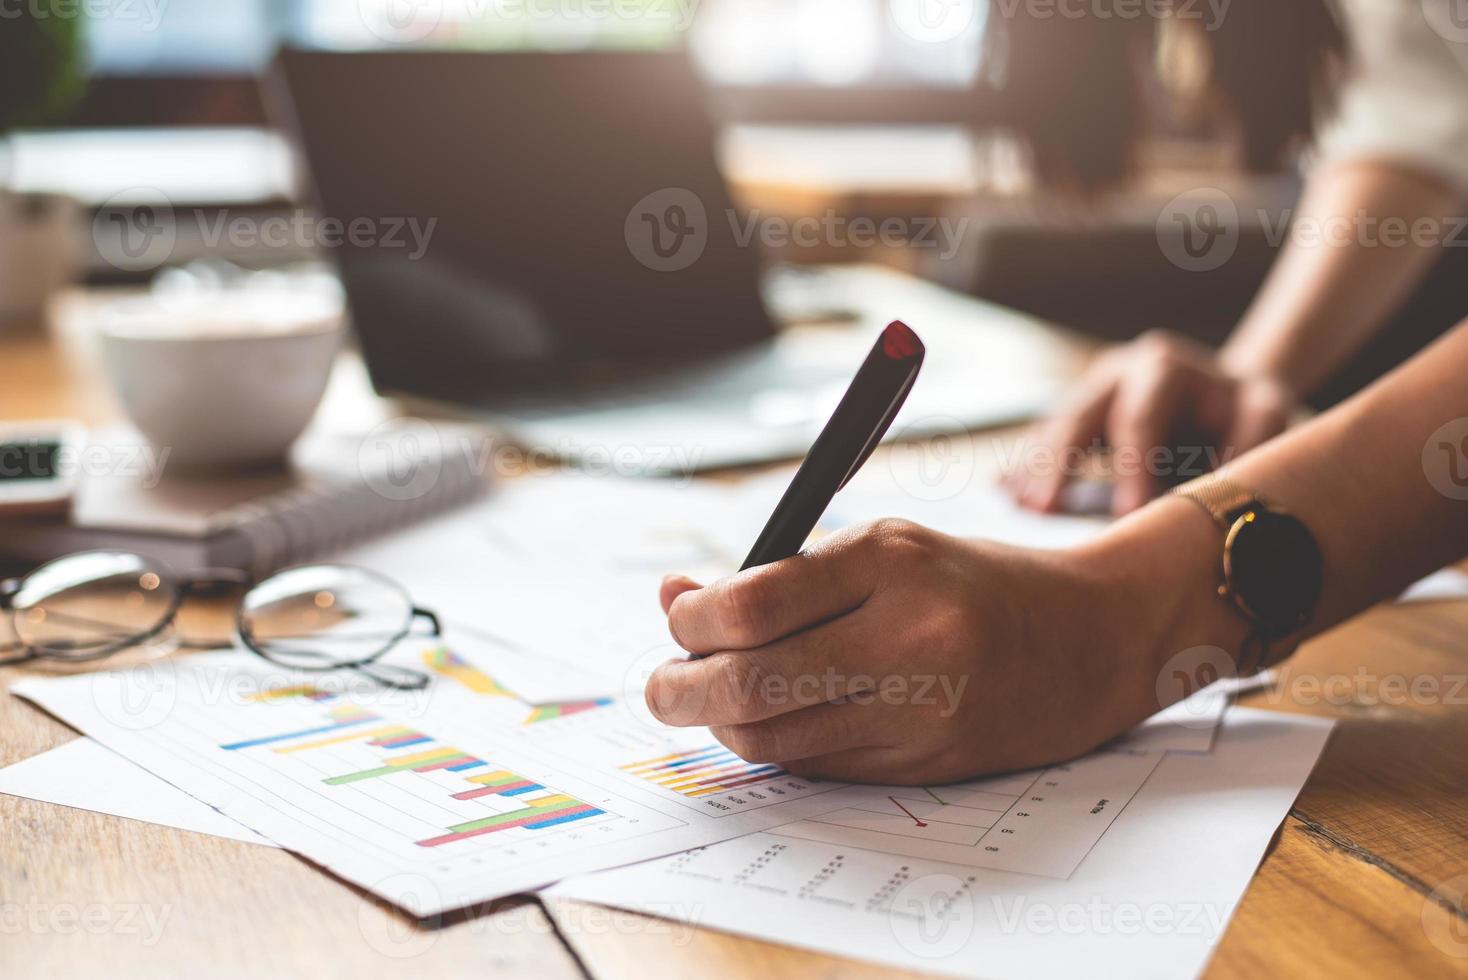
(819, 43)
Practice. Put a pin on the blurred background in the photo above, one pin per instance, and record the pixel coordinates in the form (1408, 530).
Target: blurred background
(851, 107)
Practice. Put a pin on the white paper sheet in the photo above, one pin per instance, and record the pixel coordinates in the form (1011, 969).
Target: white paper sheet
(88, 776)
(564, 573)
(460, 788)
(1042, 822)
(1191, 724)
(974, 507)
(1449, 584)
(1151, 899)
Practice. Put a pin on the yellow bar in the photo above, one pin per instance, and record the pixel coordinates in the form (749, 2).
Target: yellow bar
(704, 775)
(633, 767)
(693, 793)
(417, 757)
(491, 777)
(725, 787)
(548, 801)
(282, 692)
(338, 739)
(442, 661)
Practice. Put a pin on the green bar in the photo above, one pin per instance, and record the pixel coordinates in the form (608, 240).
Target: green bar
(364, 774)
(353, 777)
(537, 812)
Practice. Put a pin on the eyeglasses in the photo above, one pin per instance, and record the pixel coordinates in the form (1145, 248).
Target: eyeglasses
(311, 618)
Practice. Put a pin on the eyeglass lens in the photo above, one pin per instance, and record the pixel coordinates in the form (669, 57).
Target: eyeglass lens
(93, 603)
(323, 616)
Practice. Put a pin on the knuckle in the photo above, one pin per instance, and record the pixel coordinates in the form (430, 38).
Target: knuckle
(842, 728)
(951, 624)
(904, 547)
(894, 533)
(746, 611)
(732, 687)
(678, 623)
(752, 743)
(1156, 346)
(1150, 376)
(1131, 420)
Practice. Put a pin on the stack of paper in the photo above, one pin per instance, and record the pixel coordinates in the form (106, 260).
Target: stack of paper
(529, 761)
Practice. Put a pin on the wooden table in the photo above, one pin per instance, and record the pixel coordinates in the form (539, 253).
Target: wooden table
(1348, 887)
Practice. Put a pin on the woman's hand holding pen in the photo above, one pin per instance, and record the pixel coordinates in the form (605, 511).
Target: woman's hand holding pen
(892, 653)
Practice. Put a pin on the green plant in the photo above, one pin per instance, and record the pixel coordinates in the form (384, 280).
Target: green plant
(41, 71)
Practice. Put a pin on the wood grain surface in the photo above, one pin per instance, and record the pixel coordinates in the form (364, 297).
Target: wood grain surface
(1366, 877)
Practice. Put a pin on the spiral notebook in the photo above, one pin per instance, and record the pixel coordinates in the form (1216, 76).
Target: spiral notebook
(339, 490)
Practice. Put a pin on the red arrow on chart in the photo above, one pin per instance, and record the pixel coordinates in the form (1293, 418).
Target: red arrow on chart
(906, 811)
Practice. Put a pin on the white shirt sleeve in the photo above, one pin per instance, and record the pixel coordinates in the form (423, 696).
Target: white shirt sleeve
(1407, 98)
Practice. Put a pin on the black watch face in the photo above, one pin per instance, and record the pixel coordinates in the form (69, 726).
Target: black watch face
(1274, 569)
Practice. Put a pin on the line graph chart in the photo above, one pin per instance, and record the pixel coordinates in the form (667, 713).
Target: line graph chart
(1042, 822)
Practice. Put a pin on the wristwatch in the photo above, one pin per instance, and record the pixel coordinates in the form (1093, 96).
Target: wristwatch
(1272, 568)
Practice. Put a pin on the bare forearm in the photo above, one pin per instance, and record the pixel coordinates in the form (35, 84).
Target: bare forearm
(1365, 236)
(1363, 477)
(1369, 478)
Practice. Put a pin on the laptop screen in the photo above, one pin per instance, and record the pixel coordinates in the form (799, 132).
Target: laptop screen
(557, 214)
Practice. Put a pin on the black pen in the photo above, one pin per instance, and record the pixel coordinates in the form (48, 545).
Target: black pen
(863, 417)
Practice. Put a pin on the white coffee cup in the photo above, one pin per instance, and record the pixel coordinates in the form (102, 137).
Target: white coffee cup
(222, 381)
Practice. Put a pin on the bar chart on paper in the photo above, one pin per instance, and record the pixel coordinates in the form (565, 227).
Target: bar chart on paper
(691, 770)
(1040, 823)
(418, 783)
(451, 785)
(715, 771)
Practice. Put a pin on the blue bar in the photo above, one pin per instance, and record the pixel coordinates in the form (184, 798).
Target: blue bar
(404, 744)
(523, 789)
(708, 755)
(467, 765)
(566, 819)
(290, 735)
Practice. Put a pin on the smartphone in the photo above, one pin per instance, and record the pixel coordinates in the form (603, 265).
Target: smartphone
(38, 467)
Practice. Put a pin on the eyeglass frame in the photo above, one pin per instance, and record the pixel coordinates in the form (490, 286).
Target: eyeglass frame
(198, 582)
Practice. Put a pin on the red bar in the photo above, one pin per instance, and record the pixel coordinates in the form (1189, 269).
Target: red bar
(534, 818)
(474, 794)
(447, 763)
(710, 791)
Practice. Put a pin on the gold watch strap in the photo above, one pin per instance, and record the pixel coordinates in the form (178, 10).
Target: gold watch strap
(1219, 497)
(1222, 499)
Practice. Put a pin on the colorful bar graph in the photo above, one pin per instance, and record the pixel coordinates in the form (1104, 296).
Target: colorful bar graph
(430, 760)
(399, 737)
(442, 661)
(305, 691)
(541, 814)
(352, 736)
(701, 772)
(538, 807)
(550, 712)
(501, 783)
(342, 717)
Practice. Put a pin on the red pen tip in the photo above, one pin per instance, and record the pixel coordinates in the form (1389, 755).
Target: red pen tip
(899, 342)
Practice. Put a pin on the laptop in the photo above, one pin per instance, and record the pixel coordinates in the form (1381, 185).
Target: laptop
(584, 284)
